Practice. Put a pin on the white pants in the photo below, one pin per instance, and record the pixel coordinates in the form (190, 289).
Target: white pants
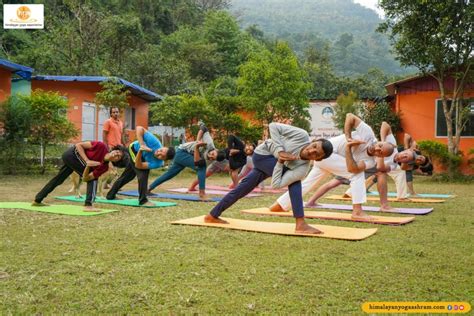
(399, 177)
(335, 165)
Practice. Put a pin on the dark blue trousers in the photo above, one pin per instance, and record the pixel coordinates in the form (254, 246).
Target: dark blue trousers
(263, 168)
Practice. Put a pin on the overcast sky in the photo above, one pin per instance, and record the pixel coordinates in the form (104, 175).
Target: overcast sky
(371, 4)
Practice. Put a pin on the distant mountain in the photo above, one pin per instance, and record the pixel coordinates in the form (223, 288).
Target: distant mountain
(346, 27)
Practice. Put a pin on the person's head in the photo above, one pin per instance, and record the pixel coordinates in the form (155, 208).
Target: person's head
(114, 112)
(118, 156)
(420, 160)
(381, 149)
(164, 153)
(249, 149)
(318, 150)
(215, 154)
(404, 156)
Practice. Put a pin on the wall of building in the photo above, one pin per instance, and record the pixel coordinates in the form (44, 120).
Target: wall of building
(79, 92)
(21, 86)
(418, 118)
(5, 84)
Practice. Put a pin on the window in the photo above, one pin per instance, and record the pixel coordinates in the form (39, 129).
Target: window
(130, 118)
(441, 128)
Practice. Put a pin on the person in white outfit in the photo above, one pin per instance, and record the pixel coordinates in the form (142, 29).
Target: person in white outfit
(353, 152)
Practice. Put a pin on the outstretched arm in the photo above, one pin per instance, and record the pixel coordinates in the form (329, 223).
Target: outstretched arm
(385, 130)
(352, 121)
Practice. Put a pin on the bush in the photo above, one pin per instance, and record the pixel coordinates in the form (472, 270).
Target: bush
(345, 104)
(375, 114)
(439, 151)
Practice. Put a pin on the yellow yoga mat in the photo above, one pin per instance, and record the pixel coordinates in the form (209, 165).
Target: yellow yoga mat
(376, 199)
(346, 233)
(384, 220)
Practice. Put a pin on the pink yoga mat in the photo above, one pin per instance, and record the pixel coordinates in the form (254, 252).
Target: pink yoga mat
(256, 190)
(216, 192)
(399, 210)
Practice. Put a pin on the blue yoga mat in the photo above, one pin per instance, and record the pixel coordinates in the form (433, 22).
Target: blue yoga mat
(425, 195)
(184, 197)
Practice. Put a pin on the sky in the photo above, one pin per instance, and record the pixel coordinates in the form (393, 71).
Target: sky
(371, 4)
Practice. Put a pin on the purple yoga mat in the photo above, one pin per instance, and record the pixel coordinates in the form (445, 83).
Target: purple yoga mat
(399, 210)
(216, 192)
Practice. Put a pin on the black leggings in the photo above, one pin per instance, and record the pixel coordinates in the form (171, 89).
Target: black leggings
(128, 175)
(72, 163)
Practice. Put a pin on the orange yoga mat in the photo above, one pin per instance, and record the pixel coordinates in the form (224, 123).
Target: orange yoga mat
(376, 199)
(335, 232)
(383, 220)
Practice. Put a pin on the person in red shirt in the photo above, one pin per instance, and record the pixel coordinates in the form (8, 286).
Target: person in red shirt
(89, 160)
(113, 129)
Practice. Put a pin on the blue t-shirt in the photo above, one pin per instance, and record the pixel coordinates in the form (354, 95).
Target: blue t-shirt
(153, 143)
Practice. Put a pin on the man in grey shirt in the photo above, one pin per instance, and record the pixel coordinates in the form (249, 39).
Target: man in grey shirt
(284, 157)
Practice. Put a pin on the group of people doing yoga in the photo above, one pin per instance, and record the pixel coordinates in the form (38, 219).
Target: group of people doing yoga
(286, 156)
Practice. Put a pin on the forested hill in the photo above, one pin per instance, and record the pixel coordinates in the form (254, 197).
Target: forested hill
(347, 28)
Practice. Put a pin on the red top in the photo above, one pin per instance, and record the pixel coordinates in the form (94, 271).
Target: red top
(97, 153)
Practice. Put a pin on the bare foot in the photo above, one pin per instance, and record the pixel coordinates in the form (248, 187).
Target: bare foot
(148, 203)
(276, 208)
(91, 209)
(387, 209)
(39, 204)
(204, 198)
(311, 204)
(362, 216)
(78, 196)
(213, 220)
(346, 196)
(191, 190)
(304, 228)
(149, 192)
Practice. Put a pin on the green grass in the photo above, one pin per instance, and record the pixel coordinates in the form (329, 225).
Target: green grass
(134, 261)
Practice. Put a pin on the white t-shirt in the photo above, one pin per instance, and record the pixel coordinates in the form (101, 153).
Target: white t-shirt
(389, 161)
(364, 133)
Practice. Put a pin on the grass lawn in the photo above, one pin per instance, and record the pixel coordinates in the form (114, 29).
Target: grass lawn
(134, 261)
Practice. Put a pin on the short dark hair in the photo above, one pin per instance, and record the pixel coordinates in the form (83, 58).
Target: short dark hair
(220, 155)
(113, 107)
(327, 147)
(122, 163)
(170, 153)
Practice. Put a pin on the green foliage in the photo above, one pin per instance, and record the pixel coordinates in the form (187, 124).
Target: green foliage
(274, 85)
(375, 114)
(345, 104)
(440, 152)
(113, 93)
(15, 117)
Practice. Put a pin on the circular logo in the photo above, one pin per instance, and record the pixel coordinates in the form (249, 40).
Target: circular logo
(450, 307)
(328, 112)
(461, 307)
(23, 13)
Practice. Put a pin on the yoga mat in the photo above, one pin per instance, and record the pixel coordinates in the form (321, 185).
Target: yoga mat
(383, 220)
(184, 197)
(211, 191)
(335, 232)
(421, 195)
(127, 202)
(398, 210)
(256, 190)
(55, 209)
(411, 200)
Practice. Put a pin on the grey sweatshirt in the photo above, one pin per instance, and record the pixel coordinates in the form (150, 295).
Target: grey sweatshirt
(290, 139)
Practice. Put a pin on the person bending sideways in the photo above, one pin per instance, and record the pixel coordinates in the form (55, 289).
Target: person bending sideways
(194, 155)
(354, 152)
(89, 160)
(285, 157)
(213, 168)
(146, 153)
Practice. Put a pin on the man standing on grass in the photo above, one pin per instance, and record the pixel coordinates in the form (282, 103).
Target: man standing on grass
(285, 157)
(146, 153)
(112, 134)
(354, 152)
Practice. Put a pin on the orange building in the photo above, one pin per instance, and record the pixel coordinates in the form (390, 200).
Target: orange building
(88, 117)
(7, 71)
(418, 101)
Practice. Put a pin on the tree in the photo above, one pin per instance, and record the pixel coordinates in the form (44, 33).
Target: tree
(345, 104)
(113, 93)
(437, 37)
(274, 86)
(49, 123)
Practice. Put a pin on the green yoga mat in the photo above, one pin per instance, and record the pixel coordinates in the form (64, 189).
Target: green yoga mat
(56, 209)
(124, 202)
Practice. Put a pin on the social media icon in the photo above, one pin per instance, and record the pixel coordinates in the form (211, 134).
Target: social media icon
(455, 307)
(450, 307)
(461, 307)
